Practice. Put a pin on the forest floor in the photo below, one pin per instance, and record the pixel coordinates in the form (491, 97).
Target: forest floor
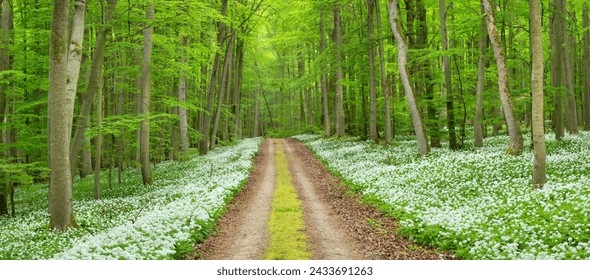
(338, 224)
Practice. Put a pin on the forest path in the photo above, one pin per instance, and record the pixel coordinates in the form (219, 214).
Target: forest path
(338, 225)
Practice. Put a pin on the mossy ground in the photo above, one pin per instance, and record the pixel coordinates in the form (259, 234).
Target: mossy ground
(286, 227)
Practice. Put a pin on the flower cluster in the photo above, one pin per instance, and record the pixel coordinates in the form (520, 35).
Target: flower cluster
(132, 221)
(478, 202)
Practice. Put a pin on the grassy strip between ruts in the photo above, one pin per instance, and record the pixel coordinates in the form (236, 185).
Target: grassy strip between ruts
(286, 227)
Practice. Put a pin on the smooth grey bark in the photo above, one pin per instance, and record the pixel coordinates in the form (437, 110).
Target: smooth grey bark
(539, 159)
(339, 104)
(405, 77)
(557, 67)
(384, 84)
(512, 123)
(144, 141)
(225, 78)
(447, 73)
(6, 40)
(481, 69)
(93, 83)
(372, 79)
(182, 113)
(237, 134)
(60, 194)
(324, 79)
(586, 78)
(98, 155)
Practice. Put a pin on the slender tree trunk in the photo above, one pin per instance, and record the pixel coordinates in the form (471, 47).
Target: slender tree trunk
(206, 115)
(481, 69)
(144, 142)
(448, 82)
(95, 72)
(586, 74)
(402, 65)
(339, 104)
(225, 78)
(557, 67)
(372, 79)
(238, 90)
(182, 114)
(539, 161)
(6, 31)
(98, 155)
(75, 54)
(512, 123)
(561, 17)
(60, 193)
(324, 79)
(384, 84)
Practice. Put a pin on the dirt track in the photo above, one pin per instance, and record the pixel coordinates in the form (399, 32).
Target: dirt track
(338, 224)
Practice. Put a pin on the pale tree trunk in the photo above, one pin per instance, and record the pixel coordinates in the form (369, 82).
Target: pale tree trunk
(339, 104)
(225, 78)
(182, 114)
(561, 21)
(481, 78)
(205, 116)
(402, 65)
(98, 155)
(586, 78)
(557, 68)
(75, 53)
(6, 30)
(95, 74)
(512, 123)
(238, 90)
(372, 80)
(60, 193)
(324, 79)
(86, 157)
(144, 141)
(539, 161)
(384, 84)
(257, 115)
(448, 82)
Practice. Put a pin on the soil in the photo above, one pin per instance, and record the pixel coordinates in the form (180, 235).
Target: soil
(339, 225)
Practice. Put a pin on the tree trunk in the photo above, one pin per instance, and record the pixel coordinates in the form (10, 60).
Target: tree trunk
(144, 142)
(6, 40)
(238, 90)
(205, 116)
(561, 18)
(448, 81)
(557, 67)
(481, 71)
(516, 140)
(324, 79)
(372, 80)
(586, 74)
(402, 65)
(98, 155)
(225, 78)
(539, 161)
(75, 54)
(95, 73)
(384, 84)
(60, 193)
(339, 104)
(182, 114)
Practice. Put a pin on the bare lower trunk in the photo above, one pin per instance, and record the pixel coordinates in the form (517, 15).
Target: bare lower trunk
(98, 155)
(512, 123)
(95, 72)
(60, 194)
(448, 82)
(586, 78)
(339, 104)
(481, 69)
(402, 65)
(144, 141)
(226, 77)
(182, 114)
(372, 79)
(324, 80)
(539, 161)
(384, 84)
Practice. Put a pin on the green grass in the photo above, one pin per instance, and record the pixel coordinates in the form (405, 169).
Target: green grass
(286, 228)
